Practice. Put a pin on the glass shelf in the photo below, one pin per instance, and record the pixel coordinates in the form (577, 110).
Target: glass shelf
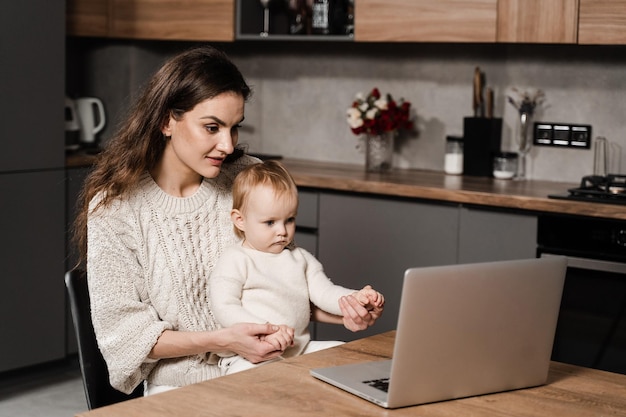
(249, 24)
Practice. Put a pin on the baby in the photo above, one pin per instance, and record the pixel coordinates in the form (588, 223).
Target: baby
(267, 278)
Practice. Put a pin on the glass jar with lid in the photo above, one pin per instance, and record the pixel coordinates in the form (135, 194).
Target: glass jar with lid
(505, 165)
(453, 160)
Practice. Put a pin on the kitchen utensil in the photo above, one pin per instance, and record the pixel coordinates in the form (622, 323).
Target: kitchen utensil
(600, 157)
(478, 92)
(91, 117)
(489, 103)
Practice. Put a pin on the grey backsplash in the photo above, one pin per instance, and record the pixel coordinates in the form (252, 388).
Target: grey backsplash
(302, 91)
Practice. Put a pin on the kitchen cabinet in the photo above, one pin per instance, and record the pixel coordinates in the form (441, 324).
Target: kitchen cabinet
(373, 240)
(88, 17)
(425, 20)
(201, 20)
(365, 239)
(488, 235)
(307, 220)
(32, 225)
(602, 22)
(32, 294)
(538, 21)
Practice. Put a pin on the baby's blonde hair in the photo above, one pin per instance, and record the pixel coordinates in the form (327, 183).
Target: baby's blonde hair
(271, 173)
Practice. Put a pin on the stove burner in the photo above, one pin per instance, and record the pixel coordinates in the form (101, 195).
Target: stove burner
(600, 189)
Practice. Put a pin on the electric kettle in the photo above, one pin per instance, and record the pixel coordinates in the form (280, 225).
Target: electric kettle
(91, 118)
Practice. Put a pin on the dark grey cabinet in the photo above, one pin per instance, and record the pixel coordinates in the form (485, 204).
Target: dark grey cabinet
(486, 235)
(364, 239)
(32, 174)
(373, 240)
(31, 268)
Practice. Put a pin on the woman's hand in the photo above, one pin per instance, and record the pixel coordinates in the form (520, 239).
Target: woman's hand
(248, 340)
(355, 316)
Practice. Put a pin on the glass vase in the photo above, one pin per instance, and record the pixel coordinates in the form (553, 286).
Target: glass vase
(379, 151)
(524, 142)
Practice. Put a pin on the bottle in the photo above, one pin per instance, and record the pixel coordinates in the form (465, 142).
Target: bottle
(321, 17)
(298, 17)
(453, 162)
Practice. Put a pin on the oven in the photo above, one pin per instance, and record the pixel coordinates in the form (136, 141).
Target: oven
(591, 329)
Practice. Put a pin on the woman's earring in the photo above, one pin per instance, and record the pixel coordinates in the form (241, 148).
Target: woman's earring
(166, 137)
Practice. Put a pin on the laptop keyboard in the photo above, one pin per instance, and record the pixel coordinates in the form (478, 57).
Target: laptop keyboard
(381, 384)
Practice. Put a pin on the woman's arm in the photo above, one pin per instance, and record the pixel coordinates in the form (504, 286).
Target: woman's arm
(245, 339)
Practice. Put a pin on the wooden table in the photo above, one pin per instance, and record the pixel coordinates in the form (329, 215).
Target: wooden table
(287, 389)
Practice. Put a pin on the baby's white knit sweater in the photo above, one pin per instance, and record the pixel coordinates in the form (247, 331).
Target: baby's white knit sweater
(250, 286)
(149, 258)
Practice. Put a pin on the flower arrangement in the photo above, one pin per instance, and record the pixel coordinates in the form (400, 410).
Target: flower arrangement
(376, 114)
(526, 102)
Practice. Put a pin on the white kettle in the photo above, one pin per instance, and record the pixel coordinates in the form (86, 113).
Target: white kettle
(90, 117)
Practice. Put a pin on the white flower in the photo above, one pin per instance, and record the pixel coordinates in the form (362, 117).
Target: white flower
(354, 118)
(360, 97)
(363, 106)
(381, 103)
(371, 113)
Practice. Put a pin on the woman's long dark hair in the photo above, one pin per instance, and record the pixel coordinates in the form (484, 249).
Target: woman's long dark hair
(182, 82)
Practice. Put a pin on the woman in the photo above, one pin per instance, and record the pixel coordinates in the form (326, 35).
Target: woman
(154, 220)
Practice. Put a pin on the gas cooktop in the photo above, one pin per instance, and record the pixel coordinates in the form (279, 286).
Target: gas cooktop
(609, 189)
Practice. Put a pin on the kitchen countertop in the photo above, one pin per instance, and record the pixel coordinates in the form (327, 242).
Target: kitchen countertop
(527, 195)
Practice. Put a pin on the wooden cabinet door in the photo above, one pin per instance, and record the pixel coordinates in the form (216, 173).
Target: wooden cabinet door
(207, 20)
(602, 22)
(87, 17)
(538, 21)
(425, 20)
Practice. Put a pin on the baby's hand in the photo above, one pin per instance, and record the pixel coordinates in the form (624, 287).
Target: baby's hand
(282, 338)
(370, 298)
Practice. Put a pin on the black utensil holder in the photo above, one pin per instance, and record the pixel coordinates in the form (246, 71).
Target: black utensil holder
(482, 138)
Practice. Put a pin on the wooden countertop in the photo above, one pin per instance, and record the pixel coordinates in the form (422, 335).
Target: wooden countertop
(285, 388)
(529, 195)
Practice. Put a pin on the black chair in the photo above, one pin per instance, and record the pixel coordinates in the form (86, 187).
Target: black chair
(93, 368)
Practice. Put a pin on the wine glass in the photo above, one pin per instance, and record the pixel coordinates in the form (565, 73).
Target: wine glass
(266, 17)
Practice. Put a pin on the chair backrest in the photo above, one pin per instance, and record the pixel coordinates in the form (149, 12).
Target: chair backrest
(92, 365)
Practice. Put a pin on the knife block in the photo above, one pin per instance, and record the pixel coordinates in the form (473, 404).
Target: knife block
(482, 138)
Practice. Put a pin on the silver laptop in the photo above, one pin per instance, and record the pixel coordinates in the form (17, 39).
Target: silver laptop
(464, 330)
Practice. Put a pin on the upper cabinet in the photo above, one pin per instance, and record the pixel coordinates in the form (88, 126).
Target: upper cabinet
(425, 20)
(537, 21)
(602, 22)
(87, 17)
(475, 21)
(212, 20)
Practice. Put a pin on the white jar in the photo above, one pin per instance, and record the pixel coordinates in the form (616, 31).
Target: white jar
(453, 160)
(505, 165)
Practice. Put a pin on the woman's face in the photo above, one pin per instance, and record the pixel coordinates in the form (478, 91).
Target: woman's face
(204, 136)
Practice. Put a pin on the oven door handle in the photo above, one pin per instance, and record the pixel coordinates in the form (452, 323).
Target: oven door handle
(593, 264)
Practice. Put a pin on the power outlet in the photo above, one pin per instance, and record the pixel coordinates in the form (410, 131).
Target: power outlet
(562, 134)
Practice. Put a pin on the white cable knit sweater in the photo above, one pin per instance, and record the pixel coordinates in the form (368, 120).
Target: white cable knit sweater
(251, 286)
(149, 258)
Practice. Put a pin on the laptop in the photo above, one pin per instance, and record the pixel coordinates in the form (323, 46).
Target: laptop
(464, 330)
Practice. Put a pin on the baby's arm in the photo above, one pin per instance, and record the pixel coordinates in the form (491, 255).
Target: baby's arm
(370, 298)
(282, 339)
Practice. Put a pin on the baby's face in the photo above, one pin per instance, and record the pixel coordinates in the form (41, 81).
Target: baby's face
(269, 220)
